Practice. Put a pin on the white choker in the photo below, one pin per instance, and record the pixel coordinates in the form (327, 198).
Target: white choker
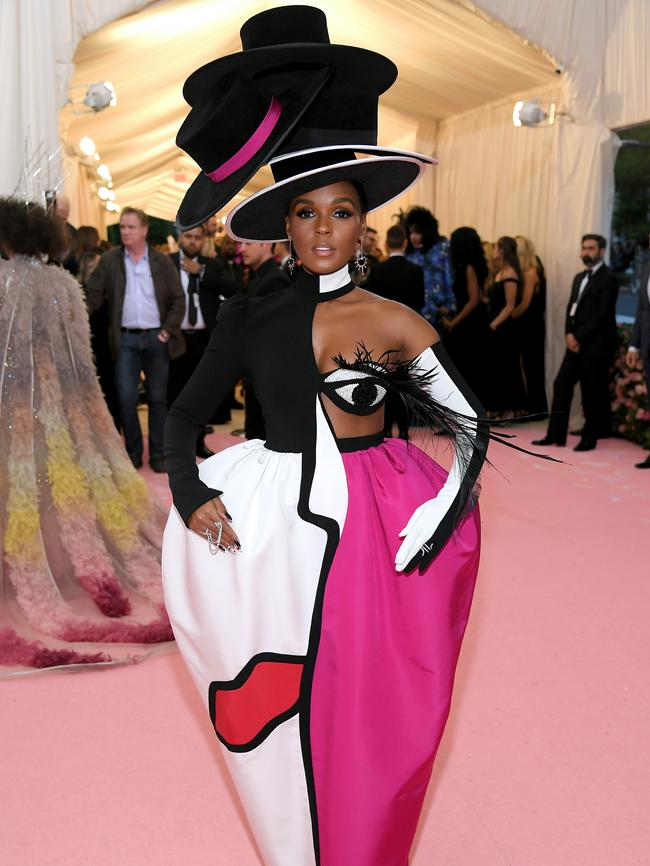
(332, 282)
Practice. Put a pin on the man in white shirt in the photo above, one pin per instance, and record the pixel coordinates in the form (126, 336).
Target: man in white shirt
(591, 339)
(206, 283)
(146, 305)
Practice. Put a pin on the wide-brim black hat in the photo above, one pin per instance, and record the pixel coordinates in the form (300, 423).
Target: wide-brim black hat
(384, 176)
(295, 35)
(235, 131)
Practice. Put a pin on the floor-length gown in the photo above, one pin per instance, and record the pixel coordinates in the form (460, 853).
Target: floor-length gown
(467, 341)
(506, 384)
(80, 533)
(327, 674)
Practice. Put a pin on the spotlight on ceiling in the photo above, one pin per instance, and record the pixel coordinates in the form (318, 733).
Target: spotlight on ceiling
(103, 171)
(528, 113)
(97, 97)
(100, 95)
(87, 146)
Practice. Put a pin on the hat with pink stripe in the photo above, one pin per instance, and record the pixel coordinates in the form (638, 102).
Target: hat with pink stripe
(246, 104)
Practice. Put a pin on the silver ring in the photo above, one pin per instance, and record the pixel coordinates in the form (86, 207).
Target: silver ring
(213, 546)
(219, 525)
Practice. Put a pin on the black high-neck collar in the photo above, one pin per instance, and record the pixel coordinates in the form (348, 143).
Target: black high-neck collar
(325, 287)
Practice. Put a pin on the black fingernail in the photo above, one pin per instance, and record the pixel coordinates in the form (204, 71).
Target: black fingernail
(238, 545)
(228, 516)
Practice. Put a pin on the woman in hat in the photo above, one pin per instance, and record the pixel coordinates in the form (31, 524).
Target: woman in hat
(319, 583)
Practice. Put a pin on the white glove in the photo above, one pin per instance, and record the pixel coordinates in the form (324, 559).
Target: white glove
(432, 523)
(422, 525)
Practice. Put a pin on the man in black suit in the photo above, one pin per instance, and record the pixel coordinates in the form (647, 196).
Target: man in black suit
(227, 255)
(640, 345)
(266, 277)
(591, 340)
(396, 278)
(205, 284)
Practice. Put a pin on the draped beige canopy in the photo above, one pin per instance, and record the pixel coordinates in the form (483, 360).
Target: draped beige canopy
(449, 60)
(462, 65)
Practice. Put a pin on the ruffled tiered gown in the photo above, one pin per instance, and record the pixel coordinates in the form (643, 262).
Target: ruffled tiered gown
(80, 532)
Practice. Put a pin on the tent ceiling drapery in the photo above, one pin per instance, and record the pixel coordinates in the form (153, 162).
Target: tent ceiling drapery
(449, 58)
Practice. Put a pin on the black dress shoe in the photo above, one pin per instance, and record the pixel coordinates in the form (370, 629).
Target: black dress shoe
(157, 464)
(585, 445)
(645, 464)
(202, 450)
(547, 441)
(136, 460)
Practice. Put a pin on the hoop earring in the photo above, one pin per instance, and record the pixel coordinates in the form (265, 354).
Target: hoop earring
(361, 261)
(291, 261)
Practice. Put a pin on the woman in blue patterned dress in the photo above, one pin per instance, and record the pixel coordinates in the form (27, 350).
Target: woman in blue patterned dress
(428, 249)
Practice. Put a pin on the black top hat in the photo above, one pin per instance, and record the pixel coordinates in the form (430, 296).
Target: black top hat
(295, 35)
(235, 129)
(261, 216)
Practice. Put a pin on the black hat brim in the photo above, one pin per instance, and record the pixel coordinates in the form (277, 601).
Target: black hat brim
(261, 217)
(205, 197)
(375, 72)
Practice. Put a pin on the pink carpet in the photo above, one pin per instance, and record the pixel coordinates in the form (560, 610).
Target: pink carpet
(545, 761)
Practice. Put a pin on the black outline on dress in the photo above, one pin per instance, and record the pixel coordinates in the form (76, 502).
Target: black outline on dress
(237, 682)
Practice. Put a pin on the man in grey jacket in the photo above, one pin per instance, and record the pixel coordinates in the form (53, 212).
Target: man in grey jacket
(146, 305)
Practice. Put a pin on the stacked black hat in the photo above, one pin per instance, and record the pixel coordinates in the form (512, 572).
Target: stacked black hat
(294, 99)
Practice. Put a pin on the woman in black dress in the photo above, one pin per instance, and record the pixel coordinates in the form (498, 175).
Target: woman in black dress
(529, 315)
(465, 332)
(507, 397)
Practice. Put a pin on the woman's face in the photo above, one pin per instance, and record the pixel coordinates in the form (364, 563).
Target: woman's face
(415, 237)
(498, 256)
(325, 226)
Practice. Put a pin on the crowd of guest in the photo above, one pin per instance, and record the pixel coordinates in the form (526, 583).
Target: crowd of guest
(153, 309)
(487, 301)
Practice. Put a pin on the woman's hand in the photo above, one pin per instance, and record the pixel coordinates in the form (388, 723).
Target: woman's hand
(208, 517)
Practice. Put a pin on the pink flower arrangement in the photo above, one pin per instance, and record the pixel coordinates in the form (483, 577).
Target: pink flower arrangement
(629, 393)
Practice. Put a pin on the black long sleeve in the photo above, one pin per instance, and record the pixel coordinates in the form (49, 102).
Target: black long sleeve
(221, 366)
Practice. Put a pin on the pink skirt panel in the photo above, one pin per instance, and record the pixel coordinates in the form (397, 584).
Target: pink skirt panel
(386, 661)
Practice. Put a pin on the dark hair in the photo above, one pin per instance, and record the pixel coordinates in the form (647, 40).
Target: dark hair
(27, 230)
(421, 220)
(87, 238)
(466, 248)
(600, 240)
(363, 198)
(140, 214)
(395, 237)
(85, 261)
(200, 227)
(508, 247)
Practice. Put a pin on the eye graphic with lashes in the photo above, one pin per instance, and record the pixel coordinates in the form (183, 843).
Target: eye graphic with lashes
(354, 391)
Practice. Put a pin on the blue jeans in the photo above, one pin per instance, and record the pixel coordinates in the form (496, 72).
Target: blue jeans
(142, 352)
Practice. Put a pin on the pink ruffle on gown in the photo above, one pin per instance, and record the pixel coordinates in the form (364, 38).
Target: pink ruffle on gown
(80, 533)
